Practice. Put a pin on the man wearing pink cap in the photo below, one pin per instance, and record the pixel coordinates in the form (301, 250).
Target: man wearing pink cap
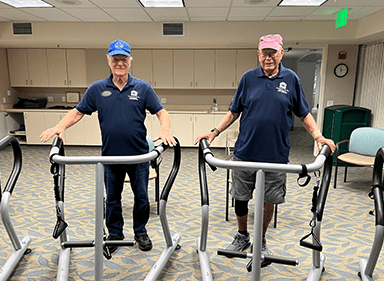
(265, 98)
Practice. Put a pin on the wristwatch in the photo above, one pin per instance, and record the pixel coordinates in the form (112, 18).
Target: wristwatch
(216, 130)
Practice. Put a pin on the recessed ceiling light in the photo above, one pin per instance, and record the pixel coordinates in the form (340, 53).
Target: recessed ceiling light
(162, 3)
(302, 2)
(27, 3)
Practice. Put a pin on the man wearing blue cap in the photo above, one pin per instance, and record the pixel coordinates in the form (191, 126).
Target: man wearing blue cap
(121, 102)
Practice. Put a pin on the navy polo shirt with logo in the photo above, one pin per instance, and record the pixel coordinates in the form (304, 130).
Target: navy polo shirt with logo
(266, 106)
(121, 114)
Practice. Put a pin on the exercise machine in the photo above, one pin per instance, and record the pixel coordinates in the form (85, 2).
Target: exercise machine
(368, 266)
(58, 161)
(20, 247)
(318, 259)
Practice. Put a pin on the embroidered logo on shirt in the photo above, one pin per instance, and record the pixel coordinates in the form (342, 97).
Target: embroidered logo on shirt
(282, 88)
(106, 93)
(134, 95)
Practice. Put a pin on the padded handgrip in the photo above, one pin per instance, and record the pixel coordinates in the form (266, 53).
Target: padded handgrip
(230, 254)
(311, 246)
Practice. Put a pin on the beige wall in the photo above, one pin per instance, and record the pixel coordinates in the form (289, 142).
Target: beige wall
(338, 90)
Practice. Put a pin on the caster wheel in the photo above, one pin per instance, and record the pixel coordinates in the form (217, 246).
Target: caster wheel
(178, 247)
(359, 274)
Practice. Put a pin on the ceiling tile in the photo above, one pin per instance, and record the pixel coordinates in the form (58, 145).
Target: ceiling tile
(17, 15)
(349, 3)
(128, 15)
(249, 12)
(116, 3)
(205, 3)
(50, 14)
(89, 14)
(265, 3)
(291, 11)
(207, 12)
(76, 3)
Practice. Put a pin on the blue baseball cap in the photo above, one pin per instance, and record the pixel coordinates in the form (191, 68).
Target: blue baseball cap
(119, 47)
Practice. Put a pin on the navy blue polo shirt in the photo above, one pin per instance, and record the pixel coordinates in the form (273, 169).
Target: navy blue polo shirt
(121, 114)
(266, 106)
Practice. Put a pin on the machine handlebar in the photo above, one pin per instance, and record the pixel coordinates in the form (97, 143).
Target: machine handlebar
(56, 157)
(270, 167)
(17, 162)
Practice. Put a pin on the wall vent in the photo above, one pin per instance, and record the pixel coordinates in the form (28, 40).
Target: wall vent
(22, 28)
(173, 29)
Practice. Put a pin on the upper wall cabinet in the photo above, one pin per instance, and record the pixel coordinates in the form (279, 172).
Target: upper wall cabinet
(204, 69)
(141, 65)
(225, 69)
(246, 60)
(162, 69)
(66, 68)
(97, 65)
(28, 67)
(183, 69)
(76, 68)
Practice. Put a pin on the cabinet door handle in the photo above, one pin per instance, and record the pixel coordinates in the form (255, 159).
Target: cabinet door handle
(191, 85)
(31, 82)
(65, 82)
(69, 82)
(26, 82)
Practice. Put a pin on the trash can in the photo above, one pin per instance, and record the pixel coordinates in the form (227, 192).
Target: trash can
(340, 121)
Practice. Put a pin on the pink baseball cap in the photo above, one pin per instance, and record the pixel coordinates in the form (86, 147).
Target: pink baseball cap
(271, 42)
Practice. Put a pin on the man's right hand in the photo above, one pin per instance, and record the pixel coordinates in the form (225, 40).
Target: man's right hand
(49, 133)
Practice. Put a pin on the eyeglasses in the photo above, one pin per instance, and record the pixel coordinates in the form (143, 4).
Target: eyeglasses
(266, 54)
(118, 59)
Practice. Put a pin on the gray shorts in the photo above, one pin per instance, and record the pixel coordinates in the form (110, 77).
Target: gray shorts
(243, 184)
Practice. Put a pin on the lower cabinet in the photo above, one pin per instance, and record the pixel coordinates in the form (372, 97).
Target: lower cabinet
(182, 128)
(84, 132)
(185, 126)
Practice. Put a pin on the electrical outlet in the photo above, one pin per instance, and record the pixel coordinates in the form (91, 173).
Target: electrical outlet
(9, 93)
(63, 98)
(4, 100)
(50, 99)
(163, 100)
(329, 102)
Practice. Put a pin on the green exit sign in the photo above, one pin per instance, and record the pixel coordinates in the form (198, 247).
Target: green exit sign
(341, 18)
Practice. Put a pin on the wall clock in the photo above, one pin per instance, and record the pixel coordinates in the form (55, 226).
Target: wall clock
(341, 70)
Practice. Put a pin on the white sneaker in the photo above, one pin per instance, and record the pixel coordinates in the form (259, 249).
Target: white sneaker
(240, 242)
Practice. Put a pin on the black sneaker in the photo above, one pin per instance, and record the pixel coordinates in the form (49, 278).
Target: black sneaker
(113, 249)
(145, 243)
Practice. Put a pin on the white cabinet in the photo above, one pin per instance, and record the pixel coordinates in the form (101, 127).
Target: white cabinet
(141, 65)
(76, 67)
(153, 125)
(92, 130)
(97, 65)
(37, 68)
(204, 69)
(203, 123)
(28, 67)
(182, 128)
(34, 126)
(57, 68)
(246, 60)
(67, 68)
(18, 67)
(225, 69)
(163, 69)
(220, 140)
(183, 69)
